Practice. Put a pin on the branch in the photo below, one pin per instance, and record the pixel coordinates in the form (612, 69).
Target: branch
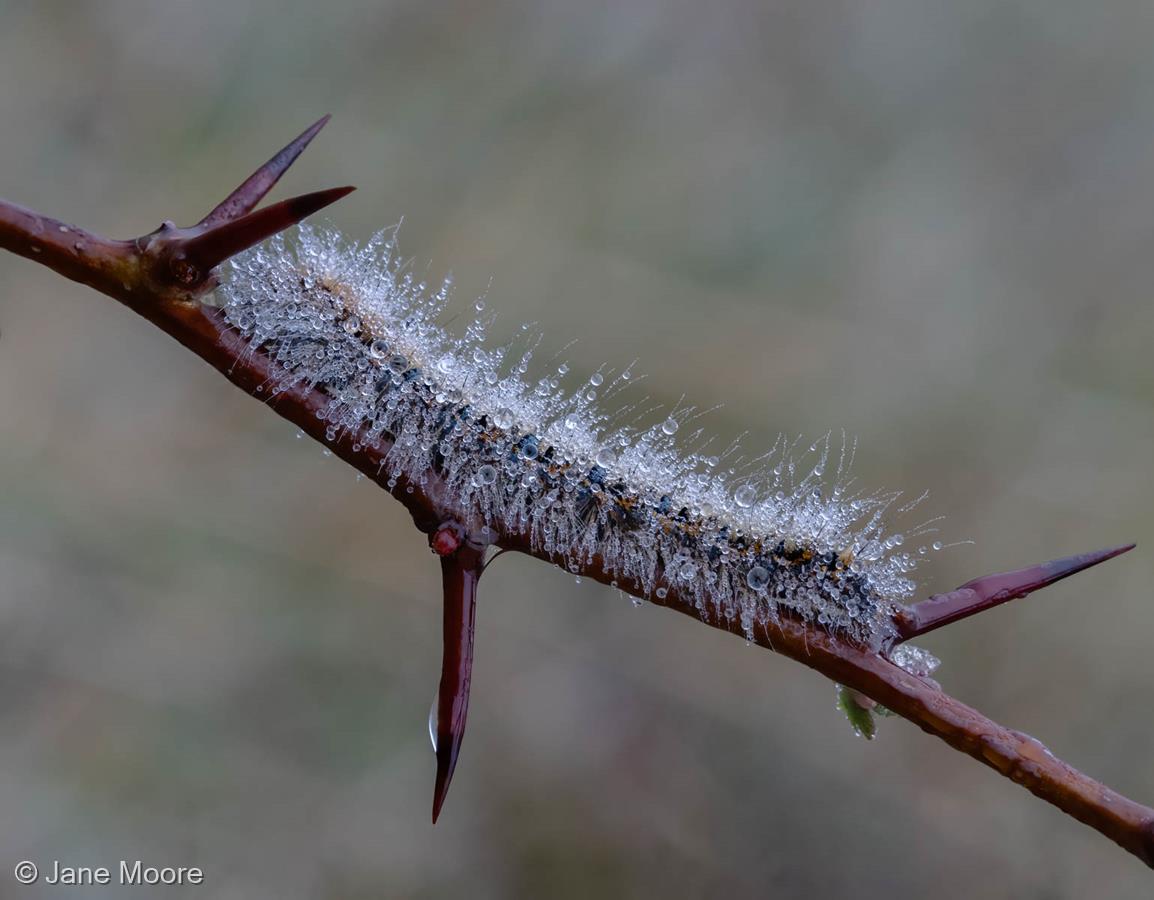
(162, 275)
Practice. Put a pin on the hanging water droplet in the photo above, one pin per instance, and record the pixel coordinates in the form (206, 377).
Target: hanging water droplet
(745, 496)
(669, 426)
(661, 592)
(503, 419)
(596, 379)
(758, 578)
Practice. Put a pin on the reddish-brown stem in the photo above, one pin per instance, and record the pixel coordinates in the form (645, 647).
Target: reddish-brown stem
(140, 274)
(460, 572)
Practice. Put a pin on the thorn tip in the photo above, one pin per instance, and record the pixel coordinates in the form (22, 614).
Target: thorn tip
(244, 199)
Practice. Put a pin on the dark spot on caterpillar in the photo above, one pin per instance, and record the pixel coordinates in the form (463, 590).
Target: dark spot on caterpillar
(586, 505)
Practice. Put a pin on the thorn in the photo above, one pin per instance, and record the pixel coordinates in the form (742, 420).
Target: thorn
(459, 575)
(991, 590)
(245, 198)
(1012, 585)
(196, 256)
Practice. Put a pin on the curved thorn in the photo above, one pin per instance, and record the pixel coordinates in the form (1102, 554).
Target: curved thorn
(206, 251)
(991, 590)
(245, 198)
(459, 574)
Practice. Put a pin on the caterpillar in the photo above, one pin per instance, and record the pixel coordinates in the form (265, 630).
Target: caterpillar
(747, 540)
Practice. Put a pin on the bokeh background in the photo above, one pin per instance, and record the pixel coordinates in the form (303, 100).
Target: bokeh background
(930, 224)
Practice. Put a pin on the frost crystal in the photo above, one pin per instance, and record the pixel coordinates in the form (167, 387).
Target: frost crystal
(746, 540)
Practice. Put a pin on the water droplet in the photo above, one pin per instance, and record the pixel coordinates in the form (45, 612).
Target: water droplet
(503, 419)
(937, 545)
(399, 364)
(570, 421)
(485, 475)
(745, 496)
(687, 572)
(606, 457)
(661, 592)
(669, 426)
(596, 379)
(378, 349)
(758, 578)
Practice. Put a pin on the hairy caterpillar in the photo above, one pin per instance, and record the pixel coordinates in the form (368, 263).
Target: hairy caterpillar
(748, 540)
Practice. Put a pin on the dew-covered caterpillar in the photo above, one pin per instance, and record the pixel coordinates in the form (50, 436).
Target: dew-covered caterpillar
(747, 540)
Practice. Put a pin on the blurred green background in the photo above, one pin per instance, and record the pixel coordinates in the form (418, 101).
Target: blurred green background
(928, 223)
